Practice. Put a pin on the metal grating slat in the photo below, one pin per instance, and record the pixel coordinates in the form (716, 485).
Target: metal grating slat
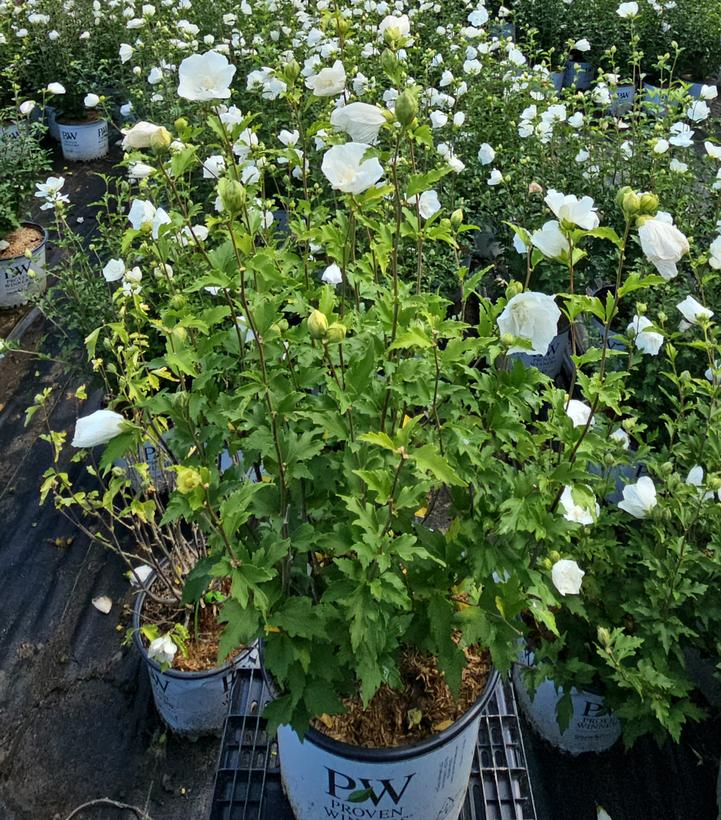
(248, 785)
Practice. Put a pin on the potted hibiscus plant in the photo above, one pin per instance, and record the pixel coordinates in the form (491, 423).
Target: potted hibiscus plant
(122, 504)
(82, 128)
(639, 498)
(328, 556)
(343, 390)
(383, 494)
(22, 243)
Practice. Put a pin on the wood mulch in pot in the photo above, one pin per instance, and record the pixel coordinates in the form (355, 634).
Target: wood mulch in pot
(202, 646)
(424, 705)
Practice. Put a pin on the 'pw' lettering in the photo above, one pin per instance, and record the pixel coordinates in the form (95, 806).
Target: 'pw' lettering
(339, 782)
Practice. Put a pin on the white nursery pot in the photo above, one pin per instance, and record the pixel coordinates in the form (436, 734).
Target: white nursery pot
(9, 131)
(654, 99)
(16, 283)
(593, 728)
(423, 781)
(694, 90)
(622, 100)
(557, 79)
(657, 100)
(51, 120)
(580, 75)
(159, 463)
(552, 363)
(191, 704)
(84, 141)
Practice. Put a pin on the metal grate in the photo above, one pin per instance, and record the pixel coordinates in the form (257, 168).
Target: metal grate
(248, 787)
(500, 788)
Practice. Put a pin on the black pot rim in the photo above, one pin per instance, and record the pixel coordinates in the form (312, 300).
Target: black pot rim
(176, 673)
(60, 121)
(395, 754)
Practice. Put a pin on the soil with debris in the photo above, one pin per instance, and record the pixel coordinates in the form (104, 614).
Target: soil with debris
(202, 645)
(22, 239)
(424, 706)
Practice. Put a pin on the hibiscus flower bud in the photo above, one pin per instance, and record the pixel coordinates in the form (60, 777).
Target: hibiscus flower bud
(604, 636)
(188, 479)
(649, 204)
(180, 124)
(457, 218)
(317, 325)
(507, 339)
(631, 204)
(389, 62)
(336, 333)
(160, 140)
(97, 428)
(621, 195)
(406, 107)
(392, 36)
(291, 71)
(513, 289)
(232, 195)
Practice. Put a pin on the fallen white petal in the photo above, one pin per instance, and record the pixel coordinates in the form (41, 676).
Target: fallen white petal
(103, 604)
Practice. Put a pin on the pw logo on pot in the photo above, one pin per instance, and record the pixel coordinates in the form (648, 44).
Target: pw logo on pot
(359, 790)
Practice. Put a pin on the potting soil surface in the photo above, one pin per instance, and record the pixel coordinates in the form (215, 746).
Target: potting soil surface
(77, 721)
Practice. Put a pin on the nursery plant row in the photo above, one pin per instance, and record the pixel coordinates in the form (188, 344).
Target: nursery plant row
(404, 319)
